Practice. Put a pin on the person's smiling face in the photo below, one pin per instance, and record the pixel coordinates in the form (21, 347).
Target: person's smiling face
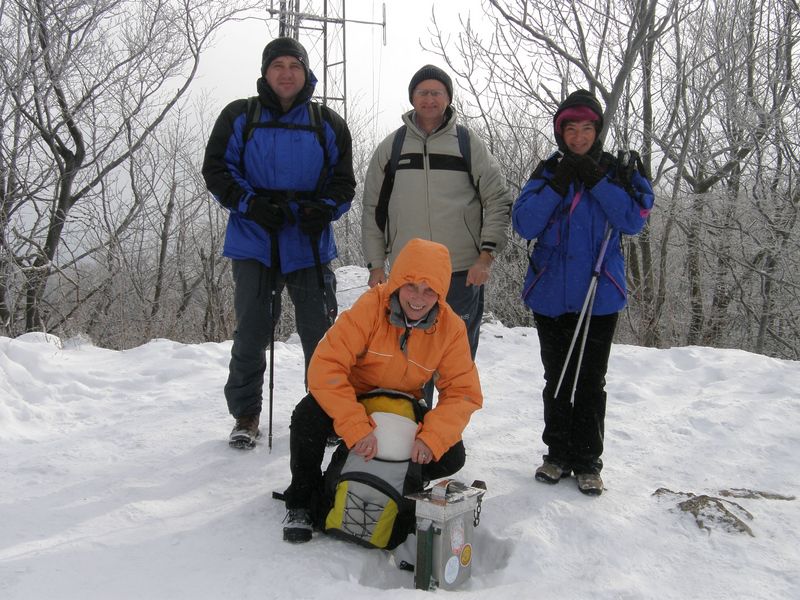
(417, 300)
(579, 136)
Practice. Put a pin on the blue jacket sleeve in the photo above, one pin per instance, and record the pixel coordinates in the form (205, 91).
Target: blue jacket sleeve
(627, 211)
(534, 208)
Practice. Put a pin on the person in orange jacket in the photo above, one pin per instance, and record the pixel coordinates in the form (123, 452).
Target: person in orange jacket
(396, 336)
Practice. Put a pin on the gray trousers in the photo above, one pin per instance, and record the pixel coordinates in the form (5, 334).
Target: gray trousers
(314, 309)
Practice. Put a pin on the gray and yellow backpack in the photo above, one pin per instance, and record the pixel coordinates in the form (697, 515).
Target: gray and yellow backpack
(368, 500)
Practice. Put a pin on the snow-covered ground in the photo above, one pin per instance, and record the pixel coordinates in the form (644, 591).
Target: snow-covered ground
(117, 481)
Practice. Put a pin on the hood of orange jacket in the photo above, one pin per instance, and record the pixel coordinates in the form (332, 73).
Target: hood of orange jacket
(418, 261)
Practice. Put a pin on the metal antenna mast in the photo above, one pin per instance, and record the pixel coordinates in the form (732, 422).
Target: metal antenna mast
(324, 38)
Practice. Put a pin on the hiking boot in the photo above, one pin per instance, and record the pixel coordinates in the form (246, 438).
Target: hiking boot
(551, 472)
(298, 526)
(245, 432)
(590, 484)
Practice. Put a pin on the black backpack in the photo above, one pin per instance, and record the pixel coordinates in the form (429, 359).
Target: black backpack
(382, 209)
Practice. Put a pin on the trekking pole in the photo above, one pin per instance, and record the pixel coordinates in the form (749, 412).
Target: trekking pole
(320, 278)
(583, 346)
(273, 281)
(583, 319)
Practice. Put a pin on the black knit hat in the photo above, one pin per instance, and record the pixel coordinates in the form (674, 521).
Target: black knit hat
(430, 72)
(283, 46)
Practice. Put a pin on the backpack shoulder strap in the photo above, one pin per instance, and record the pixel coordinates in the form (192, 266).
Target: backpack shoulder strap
(253, 117)
(382, 209)
(465, 150)
(315, 120)
(253, 121)
(397, 147)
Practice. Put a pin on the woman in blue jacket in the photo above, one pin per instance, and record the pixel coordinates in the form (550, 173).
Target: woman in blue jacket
(282, 165)
(571, 203)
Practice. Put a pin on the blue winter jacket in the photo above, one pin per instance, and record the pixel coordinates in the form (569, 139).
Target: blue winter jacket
(278, 158)
(569, 232)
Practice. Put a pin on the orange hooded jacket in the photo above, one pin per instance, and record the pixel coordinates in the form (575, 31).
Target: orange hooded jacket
(361, 352)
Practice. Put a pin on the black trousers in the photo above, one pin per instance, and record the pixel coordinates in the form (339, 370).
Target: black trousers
(309, 431)
(573, 432)
(314, 313)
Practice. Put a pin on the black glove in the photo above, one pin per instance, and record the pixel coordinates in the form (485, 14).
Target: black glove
(627, 163)
(589, 170)
(269, 214)
(564, 174)
(314, 218)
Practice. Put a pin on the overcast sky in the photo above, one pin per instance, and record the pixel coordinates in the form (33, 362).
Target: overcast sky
(377, 75)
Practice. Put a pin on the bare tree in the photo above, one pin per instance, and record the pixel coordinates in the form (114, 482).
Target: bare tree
(88, 83)
(152, 265)
(732, 87)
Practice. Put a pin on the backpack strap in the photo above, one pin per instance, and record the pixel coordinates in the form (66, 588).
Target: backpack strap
(315, 119)
(382, 209)
(465, 150)
(253, 117)
(316, 125)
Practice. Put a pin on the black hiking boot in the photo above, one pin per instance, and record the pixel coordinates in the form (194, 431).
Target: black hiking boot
(298, 526)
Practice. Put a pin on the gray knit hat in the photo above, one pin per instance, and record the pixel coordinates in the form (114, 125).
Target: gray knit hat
(283, 46)
(430, 72)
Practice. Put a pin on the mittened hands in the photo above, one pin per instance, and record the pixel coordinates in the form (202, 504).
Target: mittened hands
(564, 174)
(589, 171)
(268, 214)
(314, 218)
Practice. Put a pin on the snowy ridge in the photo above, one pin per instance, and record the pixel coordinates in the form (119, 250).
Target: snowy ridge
(117, 480)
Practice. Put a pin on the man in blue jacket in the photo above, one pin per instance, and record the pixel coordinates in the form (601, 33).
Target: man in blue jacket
(575, 205)
(282, 166)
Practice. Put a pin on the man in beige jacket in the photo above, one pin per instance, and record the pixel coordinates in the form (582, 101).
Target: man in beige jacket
(436, 196)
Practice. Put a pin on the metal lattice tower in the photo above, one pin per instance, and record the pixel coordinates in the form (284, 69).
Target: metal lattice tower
(324, 37)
